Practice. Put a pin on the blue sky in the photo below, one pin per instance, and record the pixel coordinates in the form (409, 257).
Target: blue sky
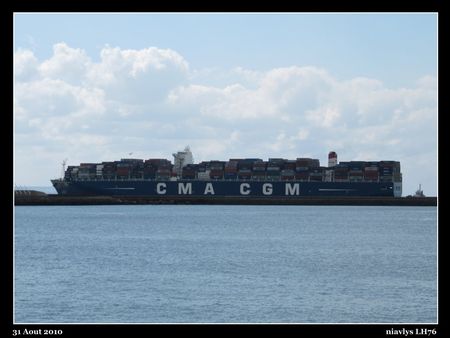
(394, 48)
(345, 74)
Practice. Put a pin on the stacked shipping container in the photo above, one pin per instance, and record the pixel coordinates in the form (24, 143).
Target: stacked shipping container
(275, 169)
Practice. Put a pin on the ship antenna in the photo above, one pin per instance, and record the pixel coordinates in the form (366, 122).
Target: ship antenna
(63, 169)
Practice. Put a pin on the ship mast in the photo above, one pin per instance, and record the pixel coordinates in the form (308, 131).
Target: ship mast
(63, 168)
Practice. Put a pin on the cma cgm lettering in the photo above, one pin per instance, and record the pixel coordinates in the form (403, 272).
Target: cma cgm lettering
(276, 177)
(264, 189)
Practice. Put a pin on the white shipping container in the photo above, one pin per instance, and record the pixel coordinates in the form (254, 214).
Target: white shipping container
(203, 175)
(371, 168)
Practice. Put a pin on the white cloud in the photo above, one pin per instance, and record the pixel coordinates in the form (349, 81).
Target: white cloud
(56, 108)
(325, 116)
(67, 64)
(150, 102)
(302, 134)
(25, 65)
(138, 76)
(427, 81)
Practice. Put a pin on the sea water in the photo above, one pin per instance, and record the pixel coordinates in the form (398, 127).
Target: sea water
(225, 264)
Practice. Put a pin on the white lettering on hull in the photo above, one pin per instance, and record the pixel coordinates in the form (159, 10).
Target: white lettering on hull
(184, 189)
(267, 189)
(292, 189)
(244, 189)
(161, 188)
(209, 189)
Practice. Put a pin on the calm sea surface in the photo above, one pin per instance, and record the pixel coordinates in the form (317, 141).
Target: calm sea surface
(225, 264)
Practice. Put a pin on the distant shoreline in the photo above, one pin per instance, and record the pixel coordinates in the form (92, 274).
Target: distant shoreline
(217, 200)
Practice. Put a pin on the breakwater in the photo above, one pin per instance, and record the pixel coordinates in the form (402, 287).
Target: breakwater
(133, 200)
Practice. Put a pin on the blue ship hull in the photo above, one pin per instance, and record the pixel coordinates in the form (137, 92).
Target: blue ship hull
(267, 189)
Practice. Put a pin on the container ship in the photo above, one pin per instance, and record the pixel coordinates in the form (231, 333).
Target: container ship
(238, 177)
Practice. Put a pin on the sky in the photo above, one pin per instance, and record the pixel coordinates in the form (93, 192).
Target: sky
(97, 87)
